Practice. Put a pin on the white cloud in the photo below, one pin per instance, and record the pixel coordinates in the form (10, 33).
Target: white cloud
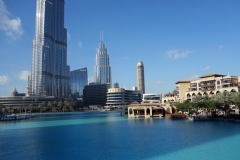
(4, 80)
(220, 47)
(159, 82)
(23, 75)
(195, 77)
(80, 44)
(68, 35)
(177, 54)
(206, 68)
(12, 27)
(126, 58)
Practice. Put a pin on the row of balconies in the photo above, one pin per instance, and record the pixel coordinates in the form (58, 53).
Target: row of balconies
(207, 89)
(208, 84)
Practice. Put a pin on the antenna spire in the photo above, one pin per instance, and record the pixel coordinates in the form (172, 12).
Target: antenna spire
(101, 35)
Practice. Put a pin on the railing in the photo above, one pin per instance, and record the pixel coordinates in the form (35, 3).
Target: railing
(209, 89)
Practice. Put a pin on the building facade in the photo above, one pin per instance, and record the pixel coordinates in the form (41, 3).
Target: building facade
(49, 71)
(212, 84)
(102, 68)
(119, 97)
(78, 80)
(182, 87)
(95, 94)
(169, 98)
(17, 100)
(152, 97)
(140, 77)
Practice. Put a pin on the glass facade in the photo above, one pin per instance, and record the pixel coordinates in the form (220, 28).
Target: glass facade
(50, 72)
(78, 80)
(102, 69)
(95, 94)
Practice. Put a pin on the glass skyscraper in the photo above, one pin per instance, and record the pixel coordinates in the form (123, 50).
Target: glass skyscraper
(78, 80)
(50, 72)
(102, 69)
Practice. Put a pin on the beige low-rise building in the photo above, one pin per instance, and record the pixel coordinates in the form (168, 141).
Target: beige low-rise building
(210, 84)
(182, 87)
(169, 98)
(147, 109)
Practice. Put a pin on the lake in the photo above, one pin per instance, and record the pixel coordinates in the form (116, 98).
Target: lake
(107, 135)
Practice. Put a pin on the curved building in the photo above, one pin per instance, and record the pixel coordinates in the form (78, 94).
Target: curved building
(102, 69)
(50, 72)
(140, 77)
(120, 97)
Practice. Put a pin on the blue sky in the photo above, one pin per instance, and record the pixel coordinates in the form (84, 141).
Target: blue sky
(175, 39)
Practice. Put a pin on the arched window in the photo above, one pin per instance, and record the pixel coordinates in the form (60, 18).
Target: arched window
(148, 111)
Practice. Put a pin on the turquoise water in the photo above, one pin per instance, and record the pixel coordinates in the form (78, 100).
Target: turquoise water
(107, 135)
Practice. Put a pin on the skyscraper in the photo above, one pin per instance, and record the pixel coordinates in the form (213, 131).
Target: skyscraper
(102, 69)
(78, 80)
(50, 72)
(140, 77)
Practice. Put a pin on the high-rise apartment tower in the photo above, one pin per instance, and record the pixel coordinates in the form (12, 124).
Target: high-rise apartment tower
(50, 72)
(140, 77)
(102, 69)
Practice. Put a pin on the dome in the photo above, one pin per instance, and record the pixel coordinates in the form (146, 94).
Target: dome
(14, 92)
(140, 63)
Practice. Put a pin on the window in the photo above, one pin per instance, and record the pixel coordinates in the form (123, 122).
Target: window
(218, 87)
(218, 82)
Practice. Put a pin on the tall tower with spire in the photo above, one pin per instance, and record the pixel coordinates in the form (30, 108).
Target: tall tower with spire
(50, 72)
(102, 68)
(140, 77)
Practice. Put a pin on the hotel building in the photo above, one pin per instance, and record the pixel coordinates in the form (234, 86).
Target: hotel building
(210, 84)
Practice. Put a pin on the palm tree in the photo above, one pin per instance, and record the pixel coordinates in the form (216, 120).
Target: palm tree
(30, 106)
(68, 106)
(39, 107)
(197, 98)
(206, 98)
(59, 106)
(20, 108)
(235, 98)
(50, 105)
(1, 111)
(224, 99)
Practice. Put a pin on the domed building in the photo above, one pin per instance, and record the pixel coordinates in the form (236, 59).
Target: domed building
(14, 92)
